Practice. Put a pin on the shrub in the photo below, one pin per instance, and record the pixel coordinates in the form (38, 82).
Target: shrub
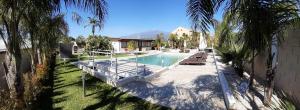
(33, 85)
(236, 55)
(131, 45)
(6, 103)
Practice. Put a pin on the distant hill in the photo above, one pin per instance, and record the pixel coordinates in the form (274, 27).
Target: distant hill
(149, 35)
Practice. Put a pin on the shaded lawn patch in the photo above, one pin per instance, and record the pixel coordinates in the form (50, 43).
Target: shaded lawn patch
(68, 93)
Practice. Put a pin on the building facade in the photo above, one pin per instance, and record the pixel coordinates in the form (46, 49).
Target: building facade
(180, 32)
(120, 45)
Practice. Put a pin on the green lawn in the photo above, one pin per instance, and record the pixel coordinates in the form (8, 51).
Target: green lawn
(68, 93)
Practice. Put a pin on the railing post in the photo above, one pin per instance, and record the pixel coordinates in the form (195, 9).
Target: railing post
(137, 67)
(93, 59)
(116, 69)
(144, 69)
(111, 57)
(83, 82)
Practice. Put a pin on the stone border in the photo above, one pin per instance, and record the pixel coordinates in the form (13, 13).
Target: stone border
(228, 96)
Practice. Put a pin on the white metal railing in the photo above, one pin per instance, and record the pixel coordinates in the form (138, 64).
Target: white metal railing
(111, 72)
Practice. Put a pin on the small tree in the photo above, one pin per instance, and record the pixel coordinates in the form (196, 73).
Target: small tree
(98, 42)
(131, 46)
(66, 39)
(104, 43)
(92, 42)
(80, 40)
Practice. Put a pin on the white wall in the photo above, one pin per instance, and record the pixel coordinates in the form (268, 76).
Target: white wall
(2, 45)
(117, 46)
(287, 77)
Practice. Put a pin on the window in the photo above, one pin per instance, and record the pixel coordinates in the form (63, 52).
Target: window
(123, 44)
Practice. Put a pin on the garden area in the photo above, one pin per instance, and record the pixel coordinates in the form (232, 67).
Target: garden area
(32, 32)
(68, 93)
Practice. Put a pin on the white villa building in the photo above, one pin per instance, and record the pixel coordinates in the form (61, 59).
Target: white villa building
(180, 31)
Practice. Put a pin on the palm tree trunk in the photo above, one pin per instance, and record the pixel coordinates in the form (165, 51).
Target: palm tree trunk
(39, 56)
(16, 50)
(32, 55)
(9, 76)
(252, 69)
(93, 30)
(270, 73)
(19, 89)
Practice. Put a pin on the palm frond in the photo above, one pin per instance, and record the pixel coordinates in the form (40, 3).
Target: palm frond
(76, 17)
(97, 7)
(201, 13)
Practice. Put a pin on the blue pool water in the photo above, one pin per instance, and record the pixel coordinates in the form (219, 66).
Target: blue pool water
(163, 60)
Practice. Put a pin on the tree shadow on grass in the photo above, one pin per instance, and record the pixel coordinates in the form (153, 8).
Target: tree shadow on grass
(111, 98)
(70, 71)
(108, 97)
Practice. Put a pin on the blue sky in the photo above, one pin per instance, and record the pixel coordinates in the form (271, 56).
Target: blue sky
(127, 17)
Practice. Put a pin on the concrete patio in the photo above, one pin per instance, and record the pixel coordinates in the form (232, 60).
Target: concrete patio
(182, 87)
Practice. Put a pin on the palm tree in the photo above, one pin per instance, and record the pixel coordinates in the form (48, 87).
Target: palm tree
(258, 22)
(230, 46)
(159, 40)
(195, 39)
(173, 39)
(93, 22)
(185, 39)
(13, 18)
(52, 29)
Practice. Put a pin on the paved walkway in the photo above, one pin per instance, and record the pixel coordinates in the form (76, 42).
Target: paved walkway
(183, 87)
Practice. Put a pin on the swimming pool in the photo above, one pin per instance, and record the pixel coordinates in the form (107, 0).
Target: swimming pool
(163, 60)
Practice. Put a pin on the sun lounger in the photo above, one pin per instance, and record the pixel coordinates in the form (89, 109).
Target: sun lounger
(196, 59)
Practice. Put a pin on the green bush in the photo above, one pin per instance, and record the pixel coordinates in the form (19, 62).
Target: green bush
(98, 42)
(131, 45)
(234, 54)
(6, 103)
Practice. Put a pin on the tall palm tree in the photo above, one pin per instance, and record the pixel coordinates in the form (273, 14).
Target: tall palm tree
(13, 16)
(94, 22)
(173, 39)
(159, 40)
(52, 29)
(258, 21)
(185, 40)
(195, 37)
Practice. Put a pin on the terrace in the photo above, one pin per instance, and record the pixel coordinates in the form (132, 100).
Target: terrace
(238, 54)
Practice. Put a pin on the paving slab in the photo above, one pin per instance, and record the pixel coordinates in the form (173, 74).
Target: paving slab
(184, 87)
